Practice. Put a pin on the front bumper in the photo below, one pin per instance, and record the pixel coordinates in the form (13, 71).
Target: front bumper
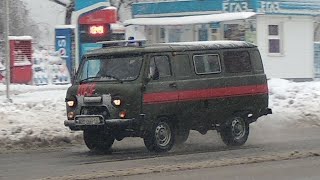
(108, 123)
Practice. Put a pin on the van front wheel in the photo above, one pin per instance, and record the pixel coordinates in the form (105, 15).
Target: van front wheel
(236, 132)
(160, 138)
(98, 140)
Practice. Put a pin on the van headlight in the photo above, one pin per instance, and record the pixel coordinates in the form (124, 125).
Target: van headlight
(117, 102)
(72, 102)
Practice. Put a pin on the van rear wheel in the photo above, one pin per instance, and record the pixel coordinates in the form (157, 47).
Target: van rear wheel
(160, 138)
(98, 140)
(236, 132)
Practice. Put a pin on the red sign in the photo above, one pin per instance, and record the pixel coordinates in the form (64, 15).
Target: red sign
(104, 16)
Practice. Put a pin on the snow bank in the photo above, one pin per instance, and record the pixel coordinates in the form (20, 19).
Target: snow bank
(35, 117)
(294, 104)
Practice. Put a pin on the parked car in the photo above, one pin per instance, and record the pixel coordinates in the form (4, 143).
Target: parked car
(160, 92)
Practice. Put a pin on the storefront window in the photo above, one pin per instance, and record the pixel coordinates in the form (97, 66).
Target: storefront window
(251, 31)
(203, 33)
(234, 32)
(241, 31)
(175, 35)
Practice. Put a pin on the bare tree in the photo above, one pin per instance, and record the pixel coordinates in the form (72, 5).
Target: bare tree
(122, 4)
(70, 7)
(21, 24)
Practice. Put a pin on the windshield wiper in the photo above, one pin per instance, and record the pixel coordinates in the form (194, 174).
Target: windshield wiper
(89, 78)
(114, 77)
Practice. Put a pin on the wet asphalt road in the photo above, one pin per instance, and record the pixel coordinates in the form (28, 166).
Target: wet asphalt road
(131, 153)
(299, 169)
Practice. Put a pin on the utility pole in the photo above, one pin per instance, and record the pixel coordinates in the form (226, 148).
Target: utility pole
(7, 48)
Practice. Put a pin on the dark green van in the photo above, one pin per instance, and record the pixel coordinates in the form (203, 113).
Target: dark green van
(160, 92)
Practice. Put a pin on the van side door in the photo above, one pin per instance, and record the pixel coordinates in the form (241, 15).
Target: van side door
(188, 109)
(160, 96)
(200, 84)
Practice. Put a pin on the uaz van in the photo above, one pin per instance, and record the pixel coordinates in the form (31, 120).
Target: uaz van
(160, 92)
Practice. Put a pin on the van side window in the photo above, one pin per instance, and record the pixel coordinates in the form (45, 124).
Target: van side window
(160, 67)
(237, 61)
(207, 63)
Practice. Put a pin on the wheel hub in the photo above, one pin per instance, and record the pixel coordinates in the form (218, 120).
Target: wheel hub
(238, 128)
(163, 134)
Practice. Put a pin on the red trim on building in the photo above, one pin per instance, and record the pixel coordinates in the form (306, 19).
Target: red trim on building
(202, 94)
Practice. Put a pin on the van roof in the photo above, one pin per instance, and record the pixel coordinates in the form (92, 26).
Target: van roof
(172, 47)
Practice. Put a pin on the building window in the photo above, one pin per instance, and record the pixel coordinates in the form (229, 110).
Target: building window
(207, 63)
(274, 39)
(237, 61)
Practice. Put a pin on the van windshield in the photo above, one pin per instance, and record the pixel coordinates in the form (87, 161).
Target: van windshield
(111, 68)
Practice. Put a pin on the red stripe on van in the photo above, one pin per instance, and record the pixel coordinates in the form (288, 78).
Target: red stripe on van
(192, 95)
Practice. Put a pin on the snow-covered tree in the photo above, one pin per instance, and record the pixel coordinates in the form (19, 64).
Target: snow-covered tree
(20, 22)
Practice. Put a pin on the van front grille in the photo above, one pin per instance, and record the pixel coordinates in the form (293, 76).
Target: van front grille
(95, 110)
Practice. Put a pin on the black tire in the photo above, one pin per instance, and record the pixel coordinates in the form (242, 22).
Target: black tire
(161, 137)
(98, 140)
(236, 132)
(182, 136)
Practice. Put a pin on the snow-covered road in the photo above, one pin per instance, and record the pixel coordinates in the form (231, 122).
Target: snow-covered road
(35, 117)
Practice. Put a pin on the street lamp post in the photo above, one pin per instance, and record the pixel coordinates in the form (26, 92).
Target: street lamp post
(7, 48)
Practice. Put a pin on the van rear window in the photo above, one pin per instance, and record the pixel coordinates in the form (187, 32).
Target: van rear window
(207, 63)
(237, 61)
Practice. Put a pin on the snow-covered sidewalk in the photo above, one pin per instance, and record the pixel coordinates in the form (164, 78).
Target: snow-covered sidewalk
(35, 118)
(294, 105)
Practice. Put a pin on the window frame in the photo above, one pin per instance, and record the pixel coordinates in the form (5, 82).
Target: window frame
(206, 73)
(275, 37)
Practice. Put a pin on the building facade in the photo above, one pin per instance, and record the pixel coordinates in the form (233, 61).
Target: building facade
(283, 29)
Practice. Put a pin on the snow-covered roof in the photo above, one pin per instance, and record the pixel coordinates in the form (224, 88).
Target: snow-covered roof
(117, 28)
(170, 47)
(20, 38)
(111, 8)
(65, 26)
(198, 19)
(210, 43)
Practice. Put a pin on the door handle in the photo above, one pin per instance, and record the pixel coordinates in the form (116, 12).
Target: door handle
(173, 85)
